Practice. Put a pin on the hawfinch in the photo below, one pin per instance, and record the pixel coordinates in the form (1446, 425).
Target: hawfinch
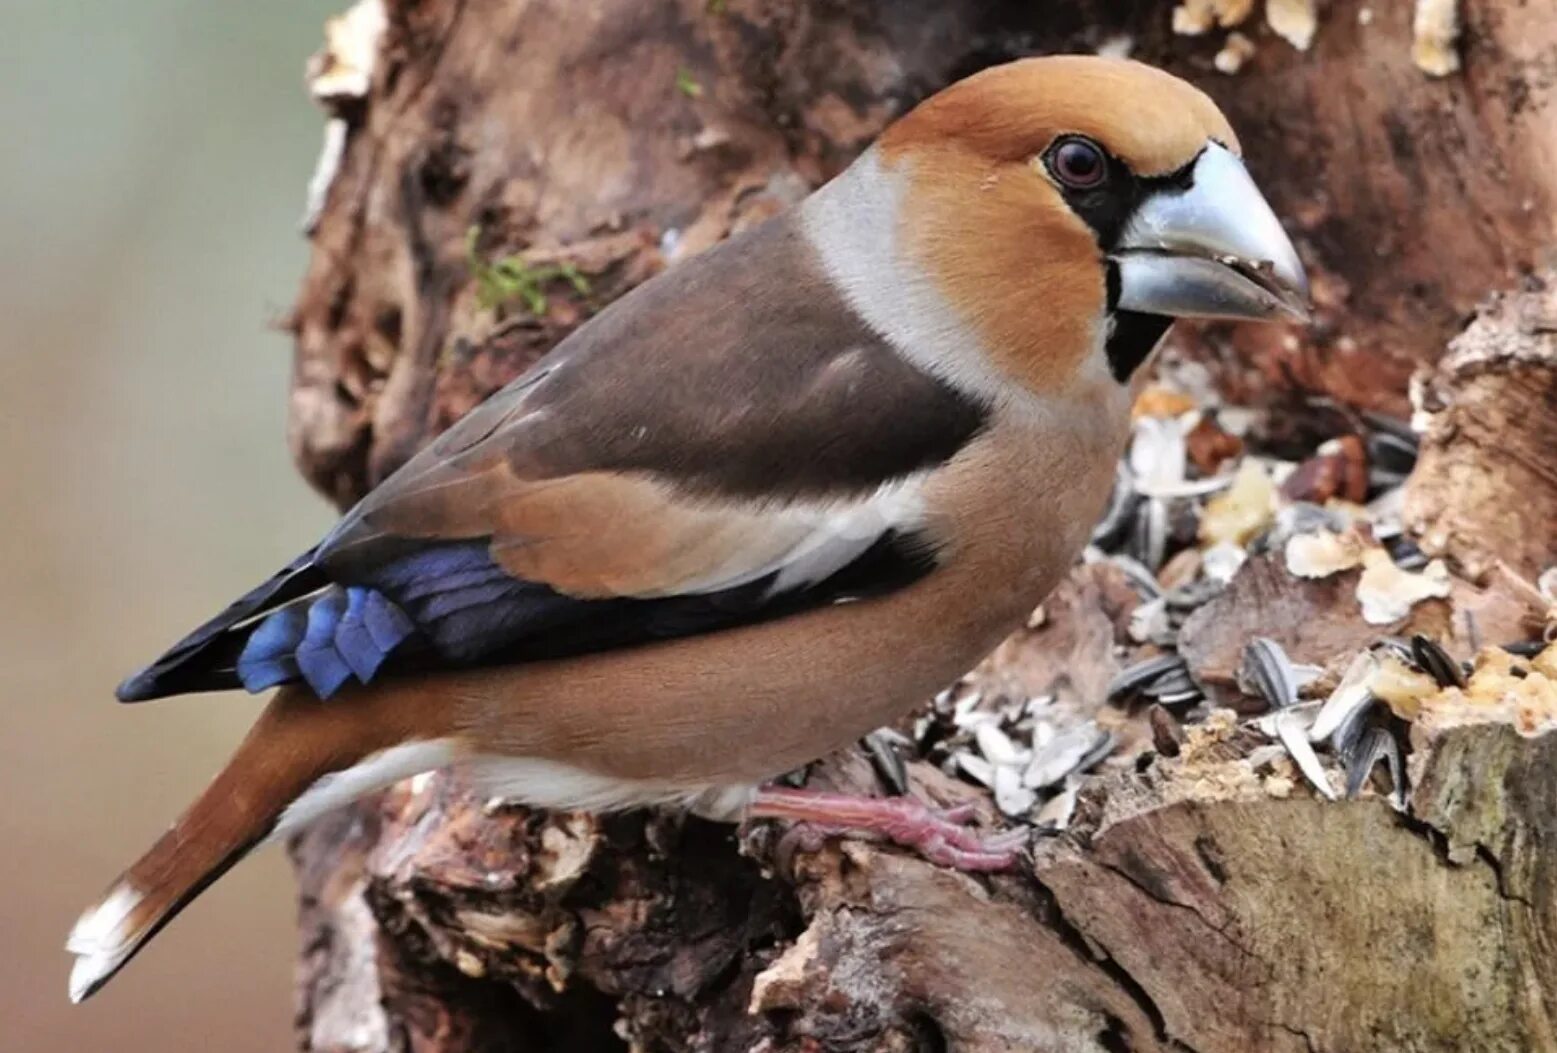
(764, 504)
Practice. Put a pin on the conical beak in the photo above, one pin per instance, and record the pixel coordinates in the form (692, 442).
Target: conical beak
(1213, 250)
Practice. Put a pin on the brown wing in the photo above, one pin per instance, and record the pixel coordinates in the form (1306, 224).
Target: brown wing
(694, 435)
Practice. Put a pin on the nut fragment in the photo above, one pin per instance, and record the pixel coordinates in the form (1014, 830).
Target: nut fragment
(1435, 32)
(1194, 17)
(1401, 687)
(1244, 510)
(1161, 402)
(1209, 445)
(1323, 554)
(1293, 20)
(1388, 593)
(343, 70)
(1237, 50)
(1338, 470)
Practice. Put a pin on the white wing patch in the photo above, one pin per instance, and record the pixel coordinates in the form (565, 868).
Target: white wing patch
(807, 544)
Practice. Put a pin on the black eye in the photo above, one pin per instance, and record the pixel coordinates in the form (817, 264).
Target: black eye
(1078, 163)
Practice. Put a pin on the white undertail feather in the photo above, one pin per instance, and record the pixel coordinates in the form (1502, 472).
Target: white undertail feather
(525, 780)
(102, 939)
(552, 784)
(373, 772)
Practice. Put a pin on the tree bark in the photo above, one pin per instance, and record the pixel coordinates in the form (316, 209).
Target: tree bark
(506, 169)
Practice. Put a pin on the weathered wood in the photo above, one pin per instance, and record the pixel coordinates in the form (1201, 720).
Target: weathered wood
(1485, 492)
(1205, 901)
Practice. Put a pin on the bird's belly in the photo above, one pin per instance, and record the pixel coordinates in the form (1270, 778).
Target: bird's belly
(737, 707)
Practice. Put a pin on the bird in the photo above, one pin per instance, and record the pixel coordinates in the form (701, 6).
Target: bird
(761, 505)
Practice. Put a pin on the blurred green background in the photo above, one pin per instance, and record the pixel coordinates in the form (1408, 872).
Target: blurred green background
(151, 180)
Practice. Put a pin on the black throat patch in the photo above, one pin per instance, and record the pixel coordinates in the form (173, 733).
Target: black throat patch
(1131, 335)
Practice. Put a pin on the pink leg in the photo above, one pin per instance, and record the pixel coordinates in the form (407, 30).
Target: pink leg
(941, 837)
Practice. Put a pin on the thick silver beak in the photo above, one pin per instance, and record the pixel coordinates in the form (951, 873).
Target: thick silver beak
(1215, 250)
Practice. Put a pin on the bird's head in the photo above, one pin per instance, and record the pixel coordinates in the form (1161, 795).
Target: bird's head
(1051, 195)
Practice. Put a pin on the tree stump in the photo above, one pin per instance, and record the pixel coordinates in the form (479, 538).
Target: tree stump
(496, 172)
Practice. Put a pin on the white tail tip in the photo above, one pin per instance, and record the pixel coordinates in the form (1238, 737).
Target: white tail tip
(102, 939)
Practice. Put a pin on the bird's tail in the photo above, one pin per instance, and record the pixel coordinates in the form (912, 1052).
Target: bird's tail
(301, 758)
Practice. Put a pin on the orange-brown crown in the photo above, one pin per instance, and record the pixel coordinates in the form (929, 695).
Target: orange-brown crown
(1151, 120)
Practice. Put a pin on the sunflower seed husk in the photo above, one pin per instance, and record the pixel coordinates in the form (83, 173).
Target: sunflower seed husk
(1142, 578)
(1103, 748)
(966, 712)
(997, 747)
(1149, 535)
(975, 767)
(881, 746)
(1122, 504)
(1375, 745)
(1011, 797)
(1184, 487)
(1349, 732)
(1393, 452)
(1070, 750)
(1135, 678)
(1150, 622)
(1385, 513)
(1350, 696)
(1262, 757)
(1292, 731)
(1221, 561)
(1158, 452)
(1194, 594)
(1174, 682)
(1056, 813)
(1433, 660)
(1399, 645)
(1266, 723)
(1267, 671)
(1406, 553)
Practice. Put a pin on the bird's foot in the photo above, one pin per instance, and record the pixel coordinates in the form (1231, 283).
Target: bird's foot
(941, 836)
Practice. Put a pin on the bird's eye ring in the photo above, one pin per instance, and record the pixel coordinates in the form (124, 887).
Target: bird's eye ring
(1077, 163)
